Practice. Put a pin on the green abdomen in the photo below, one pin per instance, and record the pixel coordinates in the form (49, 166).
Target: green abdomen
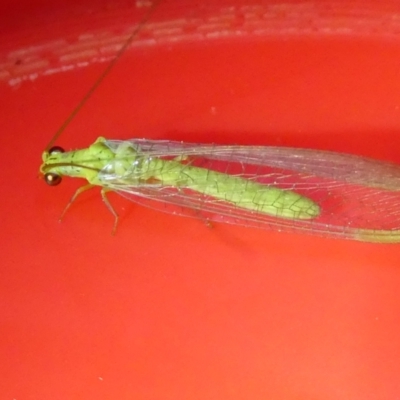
(240, 192)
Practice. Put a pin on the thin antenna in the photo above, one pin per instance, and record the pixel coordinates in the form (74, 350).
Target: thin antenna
(104, 74)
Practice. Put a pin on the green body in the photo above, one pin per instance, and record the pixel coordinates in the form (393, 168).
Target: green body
(129, 166)
(127, 162)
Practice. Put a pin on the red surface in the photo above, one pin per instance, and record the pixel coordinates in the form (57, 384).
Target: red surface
(169, 309)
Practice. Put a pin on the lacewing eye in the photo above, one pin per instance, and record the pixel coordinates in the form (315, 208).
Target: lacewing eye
(56, 149)
(52, 179)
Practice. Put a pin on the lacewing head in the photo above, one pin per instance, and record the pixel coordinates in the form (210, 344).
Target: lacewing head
(51, 178)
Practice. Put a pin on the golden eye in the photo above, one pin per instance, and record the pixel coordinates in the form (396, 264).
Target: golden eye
(52, 179)
(56, 149)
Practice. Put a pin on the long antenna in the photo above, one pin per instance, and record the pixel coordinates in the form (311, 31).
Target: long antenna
(106, 71)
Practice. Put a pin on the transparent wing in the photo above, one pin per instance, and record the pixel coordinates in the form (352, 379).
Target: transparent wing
(337, 166)
(359, 198)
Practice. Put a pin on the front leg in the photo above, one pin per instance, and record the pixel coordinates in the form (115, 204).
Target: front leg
(78, 192)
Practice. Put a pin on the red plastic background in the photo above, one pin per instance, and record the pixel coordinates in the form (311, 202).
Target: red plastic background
(168, 308)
